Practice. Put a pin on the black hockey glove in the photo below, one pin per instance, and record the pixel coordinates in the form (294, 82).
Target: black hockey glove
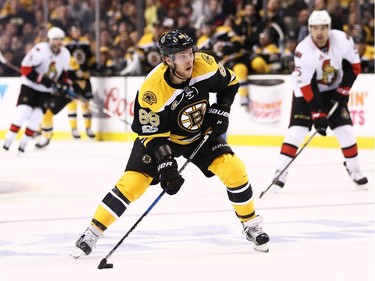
(320, 122)
(170, 179)
(47, 81)
(342, 95)
(60, 89)
(217, 118)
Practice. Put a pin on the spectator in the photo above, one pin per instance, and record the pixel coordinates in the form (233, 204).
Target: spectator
(78, 11)
(248, 25)
(366, 52)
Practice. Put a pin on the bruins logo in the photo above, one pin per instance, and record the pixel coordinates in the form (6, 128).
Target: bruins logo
(146, 159)
(207, 58)
(149, 97)
(191, 117)
(80, 56)
(153, 58)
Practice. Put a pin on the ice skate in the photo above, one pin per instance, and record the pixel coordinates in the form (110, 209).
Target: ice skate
(85, 243)
(279, 181)
(22, 147)
(43, 142)
(76, 134)
(7, 144)
(358, 178)
(90, 133)
(254, 233)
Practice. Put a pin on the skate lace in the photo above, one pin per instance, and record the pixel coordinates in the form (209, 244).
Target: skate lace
(253, 231)
(89, 238)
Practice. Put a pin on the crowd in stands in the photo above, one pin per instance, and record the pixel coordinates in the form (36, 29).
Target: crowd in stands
(270, 32)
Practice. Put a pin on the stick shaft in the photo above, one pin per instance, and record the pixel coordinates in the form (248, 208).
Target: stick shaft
(202, 142)
(332, 110)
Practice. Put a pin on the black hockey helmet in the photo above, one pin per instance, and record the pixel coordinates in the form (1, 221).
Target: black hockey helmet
(175, 41)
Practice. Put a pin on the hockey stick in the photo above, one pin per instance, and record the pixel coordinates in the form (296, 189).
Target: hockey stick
(335, 104)
(93, 106)
(10, 65)
(103, 263)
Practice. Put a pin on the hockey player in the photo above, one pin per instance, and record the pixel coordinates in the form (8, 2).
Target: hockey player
(326, 66)
(171, 115)
(59, 101)
(44, 66)
(80, 49)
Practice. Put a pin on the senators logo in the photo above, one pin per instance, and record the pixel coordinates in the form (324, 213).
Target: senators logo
(191, 117)
(149, 97)
(329, 74)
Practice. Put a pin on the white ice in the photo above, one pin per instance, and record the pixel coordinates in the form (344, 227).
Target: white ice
(321, 227)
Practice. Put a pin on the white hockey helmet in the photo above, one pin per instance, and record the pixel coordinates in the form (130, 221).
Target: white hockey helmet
(319, 18)
(55, 33)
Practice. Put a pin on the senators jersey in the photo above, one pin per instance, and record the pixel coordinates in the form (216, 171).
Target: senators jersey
(165, 110)
(318, 71)
(41, 59)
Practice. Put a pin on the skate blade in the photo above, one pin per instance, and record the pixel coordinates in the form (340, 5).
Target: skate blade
(262, 248)
(77, 253)
(361, 187)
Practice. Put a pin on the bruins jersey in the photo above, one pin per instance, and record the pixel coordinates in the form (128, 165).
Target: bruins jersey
(81, 51)
(176, 112)
(148, 51)
(222, 43)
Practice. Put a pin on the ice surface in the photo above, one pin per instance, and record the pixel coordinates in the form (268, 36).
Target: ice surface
(321, 227)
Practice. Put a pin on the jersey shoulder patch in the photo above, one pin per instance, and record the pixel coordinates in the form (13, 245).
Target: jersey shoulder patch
(155, 91)
(204, 64)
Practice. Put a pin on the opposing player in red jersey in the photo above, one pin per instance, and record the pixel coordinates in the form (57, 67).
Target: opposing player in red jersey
(326, 66)
(45, 65)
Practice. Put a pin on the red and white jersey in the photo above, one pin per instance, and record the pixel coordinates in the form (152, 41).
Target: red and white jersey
(45, 62)
(311, 61)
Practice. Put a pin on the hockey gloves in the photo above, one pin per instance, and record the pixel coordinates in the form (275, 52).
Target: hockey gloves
(61, 89)
(217, 118)
(44, 80)
(320, 122)
(342, 95)
(170, 179)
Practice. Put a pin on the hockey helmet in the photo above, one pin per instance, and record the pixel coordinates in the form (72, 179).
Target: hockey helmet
(55, 33)
(319, 18)
(175, 41)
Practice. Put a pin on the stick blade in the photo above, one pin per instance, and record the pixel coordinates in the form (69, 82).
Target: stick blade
(102, 263)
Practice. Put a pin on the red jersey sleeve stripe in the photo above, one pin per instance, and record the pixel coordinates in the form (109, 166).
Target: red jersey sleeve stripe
(25, 70)
(356, 68)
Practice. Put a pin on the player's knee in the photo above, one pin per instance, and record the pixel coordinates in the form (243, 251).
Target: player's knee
(230, 169)
(47, 118)
(133, 184)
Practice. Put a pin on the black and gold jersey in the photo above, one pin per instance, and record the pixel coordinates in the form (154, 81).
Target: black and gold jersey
(81, 51)
(176, 112)
(148, 51)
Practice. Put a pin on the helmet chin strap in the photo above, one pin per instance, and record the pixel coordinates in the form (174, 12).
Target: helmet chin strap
(173, 71)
